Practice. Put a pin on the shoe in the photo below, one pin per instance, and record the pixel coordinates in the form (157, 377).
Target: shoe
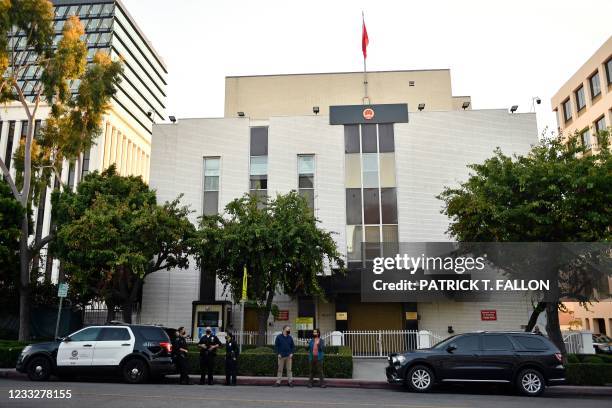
(211, 383)
(323, 385)
(309, 385)
(227, 384)
(291, 384)
(277, 384)
(202, 383)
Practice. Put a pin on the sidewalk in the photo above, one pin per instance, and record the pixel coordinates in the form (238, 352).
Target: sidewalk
(561, 390)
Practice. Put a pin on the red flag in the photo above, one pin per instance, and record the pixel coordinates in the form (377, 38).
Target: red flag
(364, 41)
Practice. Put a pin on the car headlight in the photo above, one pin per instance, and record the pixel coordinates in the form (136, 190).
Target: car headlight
(399, 359)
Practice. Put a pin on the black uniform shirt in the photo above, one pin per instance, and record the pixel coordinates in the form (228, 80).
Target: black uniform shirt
(231, 350)
(208, 341)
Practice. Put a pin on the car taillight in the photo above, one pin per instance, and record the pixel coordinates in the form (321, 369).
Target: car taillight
(166, 345)
(559, 357)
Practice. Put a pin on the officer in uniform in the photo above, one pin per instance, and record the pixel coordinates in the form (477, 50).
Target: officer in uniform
(179, 352)
(231, 359)
(209, 343)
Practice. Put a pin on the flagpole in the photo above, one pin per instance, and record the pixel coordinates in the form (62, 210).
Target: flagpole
(365, 71)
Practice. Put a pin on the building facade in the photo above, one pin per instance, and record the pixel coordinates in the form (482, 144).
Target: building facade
(140, 101)
(373, 181)
(584, 103)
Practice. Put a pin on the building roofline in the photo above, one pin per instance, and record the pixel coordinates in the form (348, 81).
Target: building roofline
(339, 73)
(131, 19)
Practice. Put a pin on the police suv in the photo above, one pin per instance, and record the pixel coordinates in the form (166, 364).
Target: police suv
(136, 352)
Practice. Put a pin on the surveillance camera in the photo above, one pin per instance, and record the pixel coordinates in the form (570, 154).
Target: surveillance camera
(538, 101)
(150, 113)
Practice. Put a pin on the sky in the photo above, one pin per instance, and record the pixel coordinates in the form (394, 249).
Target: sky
(500, 52)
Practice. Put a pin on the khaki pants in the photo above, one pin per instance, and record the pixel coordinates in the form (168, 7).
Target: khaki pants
(284, 362)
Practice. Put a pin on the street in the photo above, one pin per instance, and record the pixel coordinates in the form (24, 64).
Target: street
(117, 394)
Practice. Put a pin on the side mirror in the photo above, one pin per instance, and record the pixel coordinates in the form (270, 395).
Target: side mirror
(66, 339)
(451, 348)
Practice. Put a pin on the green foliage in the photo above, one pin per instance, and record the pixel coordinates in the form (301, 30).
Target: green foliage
(588, 374)
(572, 358)
(11, 213)
(592, 360)
(277, 240)
(111, 234)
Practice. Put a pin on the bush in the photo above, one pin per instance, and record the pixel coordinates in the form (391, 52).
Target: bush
(592, 360)
(572, 358)
(589, 373)
(9, 351)
(262, 361)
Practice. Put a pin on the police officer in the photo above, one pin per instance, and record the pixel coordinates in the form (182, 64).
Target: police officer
(231, 359)
(179, 351)
(209, 343)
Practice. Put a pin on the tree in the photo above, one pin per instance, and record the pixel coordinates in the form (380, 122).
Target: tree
(558, 192)
(75, 118)
(11, 213)
(111, 235)
(279, 243)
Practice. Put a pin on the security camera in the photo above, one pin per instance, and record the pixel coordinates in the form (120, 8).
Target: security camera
(150, 113)
(538, 101)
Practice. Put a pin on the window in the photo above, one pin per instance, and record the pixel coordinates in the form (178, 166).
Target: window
(580, 99)
(387, 170)
(371, 206)
(353, 242)
(88, 334)
(352, 170)
(37, 126)
(353, 206)
(369, 143)
(370, 170)
(600, 124)
(389, 205)
(71, 171)
(85, 169)
(595, 85)
(466, 344)
(609, 71)
(114, 334)
(531, 342)
(259, 162)
(211, 186)
(585, 137)
(9, 144)
(24, 129)
(351, 139)
(306, 173)
(496, 342)
(567, 110)
(153, 334)
(387, 138)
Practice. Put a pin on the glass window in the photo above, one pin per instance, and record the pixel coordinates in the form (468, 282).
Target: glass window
(496, 342)
(259, 141)
(351, 139)
(92, 39)
(370, 170)
(259, 165)
(609, 71)
(211, 174)
(585, 137)
(211, 203)
(105, 24)
(308, 194)
(153, 333)
(372, 242)
(353, 242)
(531, 342)
(371, 206)
(389, 205)
(72, 11)
(104, 39)
(352, 170)
(353, 206)
(595, 85)
(306, 171)
(84, 11)
(390, 238)
(259, 182)
(95, 9)
(24, 129)
(567, 110)
(88, 334)
(600, 124)
(60, 11)
(85, 169)
(9, 144)
(580, 99)
(114, 334)
(387, 137)
(466, 344)
(387, 170)
(71, 170)
(369, 144)
(107, 9)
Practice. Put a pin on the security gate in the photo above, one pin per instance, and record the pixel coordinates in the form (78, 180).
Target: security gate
(381, 343)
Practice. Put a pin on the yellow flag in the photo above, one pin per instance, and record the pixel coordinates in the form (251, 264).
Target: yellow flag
(244, 284)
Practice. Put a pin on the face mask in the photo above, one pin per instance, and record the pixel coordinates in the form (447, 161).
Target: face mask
(316, 334)
(288, 332)
(208, 332)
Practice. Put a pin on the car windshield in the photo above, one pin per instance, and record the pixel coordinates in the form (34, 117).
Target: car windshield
(602, 338)
(444, 343)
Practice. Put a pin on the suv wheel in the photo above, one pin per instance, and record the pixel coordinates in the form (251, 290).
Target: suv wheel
(420, 378)
(39, 369)
(530, 382)
(135, 371)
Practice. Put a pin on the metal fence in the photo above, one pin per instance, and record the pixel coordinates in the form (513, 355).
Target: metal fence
(573, 342)
(381, 343)
(98, 314)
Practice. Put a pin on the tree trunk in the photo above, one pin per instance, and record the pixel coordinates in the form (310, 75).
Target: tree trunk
(126, 312)
(553, 329)
(262, 318)
(110, 312)
(24, 282)
(540, 307)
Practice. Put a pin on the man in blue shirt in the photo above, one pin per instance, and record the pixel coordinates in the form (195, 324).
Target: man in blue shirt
(284, 347)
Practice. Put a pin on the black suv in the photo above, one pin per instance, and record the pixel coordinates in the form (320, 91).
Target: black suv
(137, 352)
(529, 361)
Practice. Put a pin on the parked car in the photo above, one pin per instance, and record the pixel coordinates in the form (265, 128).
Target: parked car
(602, 344)
(136, 352)
(529, 361)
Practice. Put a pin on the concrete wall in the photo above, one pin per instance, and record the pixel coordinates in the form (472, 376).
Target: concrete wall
(263, 96)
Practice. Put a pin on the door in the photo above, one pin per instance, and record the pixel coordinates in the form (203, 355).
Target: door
(462, 363)
(114, 343)
(79, 350)
(498, 357)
